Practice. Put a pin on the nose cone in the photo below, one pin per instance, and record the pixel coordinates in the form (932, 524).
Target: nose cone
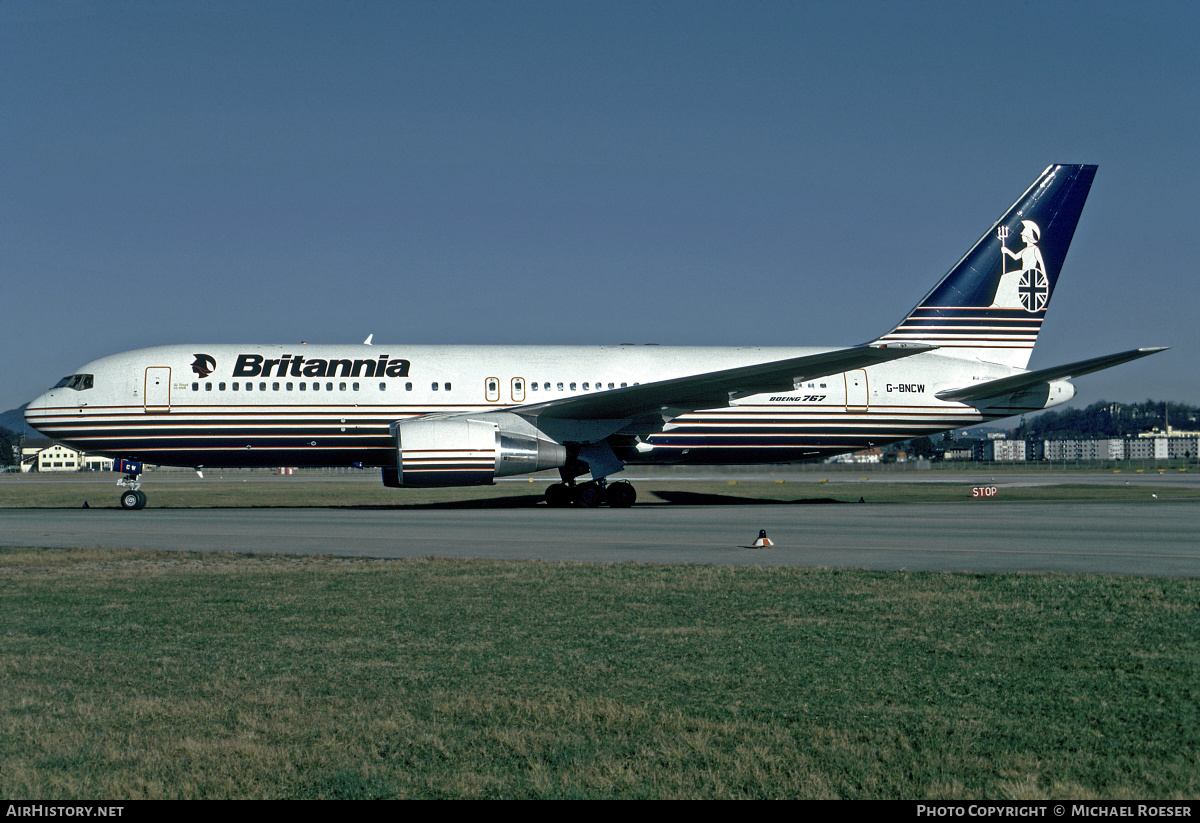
(34, 412)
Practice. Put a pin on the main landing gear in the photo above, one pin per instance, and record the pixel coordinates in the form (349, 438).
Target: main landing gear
(619, 495)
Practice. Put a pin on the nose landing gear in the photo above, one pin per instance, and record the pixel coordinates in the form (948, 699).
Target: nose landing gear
(132, 497)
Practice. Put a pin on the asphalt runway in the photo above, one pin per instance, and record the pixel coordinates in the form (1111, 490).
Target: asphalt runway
(1152, 537)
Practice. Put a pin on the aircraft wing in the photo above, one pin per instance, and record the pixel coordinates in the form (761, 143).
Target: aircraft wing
(1008, 385)
(715, 389)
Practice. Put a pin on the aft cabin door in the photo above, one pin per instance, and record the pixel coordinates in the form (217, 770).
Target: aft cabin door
(157, 392)
(856, 390)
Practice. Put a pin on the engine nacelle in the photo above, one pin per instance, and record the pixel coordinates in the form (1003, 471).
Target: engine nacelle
(466, 451)
(1039, 396)
(1060, 392)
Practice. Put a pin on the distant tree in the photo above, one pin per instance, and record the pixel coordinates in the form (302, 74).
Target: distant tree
(8, 445)
(1105, 419)
(921, 447)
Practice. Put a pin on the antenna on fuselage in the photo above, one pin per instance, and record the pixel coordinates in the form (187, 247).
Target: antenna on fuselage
(367, 342)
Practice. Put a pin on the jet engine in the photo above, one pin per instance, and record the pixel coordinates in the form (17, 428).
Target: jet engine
(468, 451)
(1039, 396)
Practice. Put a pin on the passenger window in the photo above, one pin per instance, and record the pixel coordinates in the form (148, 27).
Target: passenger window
(289, 385)
(274, 387)
(235, 387)
(303, 386)
(328, 387)
(560, 386)
(408, 386)
(572, 387)
(221, 387)
(341, 386)
(383, 386)
(433, 386)
(447, 385)
(262, 386)
(585, 386)
(195, 387)
(249, 387)
(208, 386)
(354, 386)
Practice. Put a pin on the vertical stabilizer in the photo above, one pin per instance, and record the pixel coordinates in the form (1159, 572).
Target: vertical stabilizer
(990, 306)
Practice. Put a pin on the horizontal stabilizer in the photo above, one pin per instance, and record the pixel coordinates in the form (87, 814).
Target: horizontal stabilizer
(714, 389)
(1008, 385)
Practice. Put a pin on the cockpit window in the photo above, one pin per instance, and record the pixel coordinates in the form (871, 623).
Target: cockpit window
(79, 382)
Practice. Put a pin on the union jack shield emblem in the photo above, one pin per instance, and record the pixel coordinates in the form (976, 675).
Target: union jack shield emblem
(1034, 290)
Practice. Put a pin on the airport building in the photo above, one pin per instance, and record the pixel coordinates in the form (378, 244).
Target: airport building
(871, 455)
(1144, 447)
(1171, 444)
(55, 457)
(1133, 448)
(1098, 449)
(1005, 451)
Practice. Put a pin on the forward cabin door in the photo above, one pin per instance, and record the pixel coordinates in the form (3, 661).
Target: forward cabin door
(856, 391)
(157, 392)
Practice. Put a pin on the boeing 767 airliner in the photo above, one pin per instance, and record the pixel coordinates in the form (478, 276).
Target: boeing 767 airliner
(465, 415)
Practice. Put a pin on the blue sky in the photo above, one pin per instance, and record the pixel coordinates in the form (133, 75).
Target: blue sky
(511, 172)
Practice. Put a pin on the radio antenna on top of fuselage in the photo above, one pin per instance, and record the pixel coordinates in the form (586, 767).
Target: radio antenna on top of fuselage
(367, 342)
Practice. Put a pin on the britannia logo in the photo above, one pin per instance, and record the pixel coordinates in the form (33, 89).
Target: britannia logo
(204, 365)
(1026, 287)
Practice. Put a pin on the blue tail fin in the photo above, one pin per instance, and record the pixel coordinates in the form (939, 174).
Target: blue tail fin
(990, 306)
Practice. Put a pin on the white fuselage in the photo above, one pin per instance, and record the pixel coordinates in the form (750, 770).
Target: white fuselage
(324, 405)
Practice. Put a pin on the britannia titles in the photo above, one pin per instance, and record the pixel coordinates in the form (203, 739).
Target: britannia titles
(255, 365)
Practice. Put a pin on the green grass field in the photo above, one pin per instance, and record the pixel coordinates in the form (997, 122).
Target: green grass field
(137, 674)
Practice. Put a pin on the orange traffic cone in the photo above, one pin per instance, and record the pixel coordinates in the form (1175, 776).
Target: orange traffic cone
(763, 542)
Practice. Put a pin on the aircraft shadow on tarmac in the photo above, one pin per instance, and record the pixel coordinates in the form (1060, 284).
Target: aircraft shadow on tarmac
(527, 501)
(665, 498)
(701, 499)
